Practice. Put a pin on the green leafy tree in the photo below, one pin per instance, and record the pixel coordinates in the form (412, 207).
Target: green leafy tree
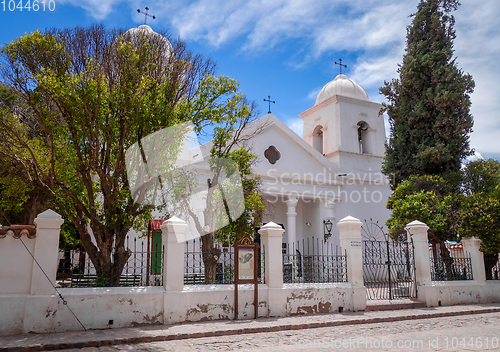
(428, 106)
(227, 156)
(481, 219)
(480, 210)
(426, 199)
(20, 202)
(254, 203)
(93, 93)
(481, 176)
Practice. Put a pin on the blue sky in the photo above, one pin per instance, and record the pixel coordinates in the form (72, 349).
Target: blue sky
(287, 48)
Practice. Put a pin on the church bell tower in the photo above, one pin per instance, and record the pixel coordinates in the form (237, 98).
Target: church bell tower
(345, 126)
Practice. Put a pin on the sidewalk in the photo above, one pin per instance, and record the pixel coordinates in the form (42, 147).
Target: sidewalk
(97, 338)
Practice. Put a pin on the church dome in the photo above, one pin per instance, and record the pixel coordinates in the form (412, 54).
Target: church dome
(134, 36)
(344, 86)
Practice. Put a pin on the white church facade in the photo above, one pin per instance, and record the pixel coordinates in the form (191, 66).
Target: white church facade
(332, 171)
(308, 183)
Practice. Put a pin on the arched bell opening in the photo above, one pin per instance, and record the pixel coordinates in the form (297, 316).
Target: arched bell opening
(318, 138)
(364, 145)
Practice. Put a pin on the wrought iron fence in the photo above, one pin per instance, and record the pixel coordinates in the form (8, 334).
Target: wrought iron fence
(144, 267)
(492, 266)
(313, 261)
(451, 269)
(217, 267)
(388, 269)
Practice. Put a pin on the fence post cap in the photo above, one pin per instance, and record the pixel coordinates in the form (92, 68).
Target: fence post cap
(49, 214)
(173, 221)
(349, 220)
(271, 226)
(416, 224)
(49, 217)
(472, 240)
(271, 229)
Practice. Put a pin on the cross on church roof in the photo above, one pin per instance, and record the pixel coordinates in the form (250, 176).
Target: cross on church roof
(270, 101)
(146, 15)
(340, 64)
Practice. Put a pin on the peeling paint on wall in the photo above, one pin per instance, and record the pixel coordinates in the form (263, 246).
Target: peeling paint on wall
(204, 312)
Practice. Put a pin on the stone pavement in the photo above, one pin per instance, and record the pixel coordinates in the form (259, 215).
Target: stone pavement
(464, 333)
(146, 334)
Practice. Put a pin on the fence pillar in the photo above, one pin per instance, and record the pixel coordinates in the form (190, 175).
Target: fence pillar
(271, 237)
(417, 232)
(471, 246)
(173, 255)
(48, 227)
(350, 242)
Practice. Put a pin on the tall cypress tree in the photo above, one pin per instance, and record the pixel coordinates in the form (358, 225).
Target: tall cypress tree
(428, 106)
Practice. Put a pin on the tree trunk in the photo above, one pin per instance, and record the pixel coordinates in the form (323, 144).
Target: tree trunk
(120, 258)
(211, 255)
(110, 266)
(31, 208)
(434, 249)
(448, 261)
(81, 261)
(108, 261)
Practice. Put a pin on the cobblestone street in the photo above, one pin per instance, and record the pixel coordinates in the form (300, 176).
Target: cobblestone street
(458, 333)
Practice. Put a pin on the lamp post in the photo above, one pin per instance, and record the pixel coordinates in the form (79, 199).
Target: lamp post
(328, 229)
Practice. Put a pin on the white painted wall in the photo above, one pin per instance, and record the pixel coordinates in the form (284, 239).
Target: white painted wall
(128, 307)
(99, 308)
(15, 265)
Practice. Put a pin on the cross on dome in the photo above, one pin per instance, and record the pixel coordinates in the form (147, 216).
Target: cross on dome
(146, 15)
(340, 64)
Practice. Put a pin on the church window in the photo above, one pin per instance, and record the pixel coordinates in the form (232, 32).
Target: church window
(317, 138)
(272, 154)
(363, 137)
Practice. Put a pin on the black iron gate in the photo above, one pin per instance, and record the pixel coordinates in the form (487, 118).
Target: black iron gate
(388, 266)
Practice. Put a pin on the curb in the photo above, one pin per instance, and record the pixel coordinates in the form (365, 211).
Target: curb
(230, 332)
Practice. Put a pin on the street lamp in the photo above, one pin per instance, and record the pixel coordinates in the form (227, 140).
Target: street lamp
(328, 229)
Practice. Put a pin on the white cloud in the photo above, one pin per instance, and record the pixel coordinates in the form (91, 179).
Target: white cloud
(478, 53)
(475, 157)
(372, 26)
(373, 30)
(99, 9)
(313, 94)
(371, 72)
(296, 125)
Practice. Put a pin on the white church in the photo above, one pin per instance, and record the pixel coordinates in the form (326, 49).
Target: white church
(332, 171)
(310, 183)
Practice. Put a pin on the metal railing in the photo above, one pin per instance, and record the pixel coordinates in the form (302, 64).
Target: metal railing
(213, 268)
(388, 269)
(313, 261)
(143, 267)
(451, 269)
(492, 266)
